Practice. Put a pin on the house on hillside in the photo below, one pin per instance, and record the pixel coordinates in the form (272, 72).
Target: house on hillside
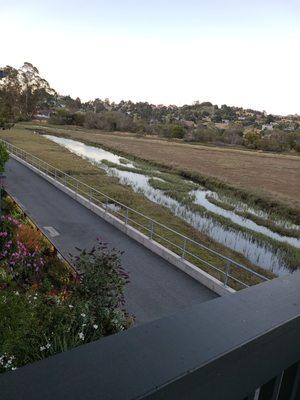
(188, 124)
(2, 74)
(269, 127)
(43, 114)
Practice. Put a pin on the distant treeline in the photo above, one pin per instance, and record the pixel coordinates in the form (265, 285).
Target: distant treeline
(24, 95)
(234, 133)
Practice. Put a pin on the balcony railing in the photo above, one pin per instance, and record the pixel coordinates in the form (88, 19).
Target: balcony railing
(241, 346)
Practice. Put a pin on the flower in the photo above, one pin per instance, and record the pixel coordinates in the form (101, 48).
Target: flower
(95, 326)
(70, 306)
(42, 348)
(48, 345)
(83, 315)
(81, 335)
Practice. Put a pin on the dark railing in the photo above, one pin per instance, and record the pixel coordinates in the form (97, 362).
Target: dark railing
(241, 346)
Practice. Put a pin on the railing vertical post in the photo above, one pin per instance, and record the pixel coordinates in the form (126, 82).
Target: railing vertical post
(183, 248)
(126, 216)
(106, 204)
(151, 230)
(226, 273)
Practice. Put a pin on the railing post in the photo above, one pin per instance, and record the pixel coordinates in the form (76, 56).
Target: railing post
(183, 248)
(126, 216)
(226, 273)
(106, 204)
(151, 230)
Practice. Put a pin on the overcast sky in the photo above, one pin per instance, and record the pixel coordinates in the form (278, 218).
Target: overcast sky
(244, 53)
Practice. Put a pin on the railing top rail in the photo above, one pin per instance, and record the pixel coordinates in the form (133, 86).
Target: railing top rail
(199, 353)
(149, 219)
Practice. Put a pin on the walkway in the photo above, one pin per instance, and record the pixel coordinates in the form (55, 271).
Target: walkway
(156, 288)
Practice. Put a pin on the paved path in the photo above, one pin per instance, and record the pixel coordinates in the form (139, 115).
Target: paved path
(156, 288)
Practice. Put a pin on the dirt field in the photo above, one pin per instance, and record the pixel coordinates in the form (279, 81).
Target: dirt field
(271, 175)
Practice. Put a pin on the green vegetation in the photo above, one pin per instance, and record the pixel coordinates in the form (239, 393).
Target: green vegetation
(269, 222)
(46, 309)
(3, 157)
(24, 95)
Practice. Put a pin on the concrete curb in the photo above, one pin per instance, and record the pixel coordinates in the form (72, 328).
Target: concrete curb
(205, 279)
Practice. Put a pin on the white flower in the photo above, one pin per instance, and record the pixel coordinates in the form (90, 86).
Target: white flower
(70, 306)
(42, 348)
(95, 326)
(14, 368)
(48, 345)
(34, 297)
(83, 325)
(17, 293)
(83, 315)
(81, 335)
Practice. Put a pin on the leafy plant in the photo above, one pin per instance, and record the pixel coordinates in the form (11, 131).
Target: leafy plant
(4, 156)
(102, 286)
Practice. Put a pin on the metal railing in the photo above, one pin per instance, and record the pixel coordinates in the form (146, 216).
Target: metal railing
(225, 269)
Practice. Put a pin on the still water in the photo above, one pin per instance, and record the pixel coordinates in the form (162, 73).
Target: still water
(258, 251)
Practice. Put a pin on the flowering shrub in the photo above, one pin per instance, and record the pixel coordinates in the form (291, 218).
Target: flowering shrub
(21, 262)
(102, 285)
(30, 237)
(24, 265)
(8, 229)
(43, 309)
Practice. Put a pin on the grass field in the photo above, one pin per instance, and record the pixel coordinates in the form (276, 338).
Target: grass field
(83, 170)
(271, 180)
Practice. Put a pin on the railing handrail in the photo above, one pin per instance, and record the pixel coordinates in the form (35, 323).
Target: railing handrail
(14, 149)
(237, 347)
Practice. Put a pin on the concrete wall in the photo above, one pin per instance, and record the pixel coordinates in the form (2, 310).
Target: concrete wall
(207, 280)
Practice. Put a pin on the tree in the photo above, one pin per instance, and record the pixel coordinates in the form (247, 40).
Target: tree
(22, 93)
(252, 138)
(35, 91)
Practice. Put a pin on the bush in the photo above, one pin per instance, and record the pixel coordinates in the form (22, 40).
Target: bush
(4, 156)
(170, 130)
(43, 310)
(102, 285)
(252, 139)
(109, 121)
(65, 117)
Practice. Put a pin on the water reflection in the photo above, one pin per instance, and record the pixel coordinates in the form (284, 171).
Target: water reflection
(257, 251)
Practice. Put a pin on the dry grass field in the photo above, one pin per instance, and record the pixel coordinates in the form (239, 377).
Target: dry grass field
(275, 177)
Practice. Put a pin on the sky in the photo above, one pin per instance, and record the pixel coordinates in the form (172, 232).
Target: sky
(234, 52)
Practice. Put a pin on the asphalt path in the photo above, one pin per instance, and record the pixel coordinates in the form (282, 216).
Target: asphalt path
(156, 287)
